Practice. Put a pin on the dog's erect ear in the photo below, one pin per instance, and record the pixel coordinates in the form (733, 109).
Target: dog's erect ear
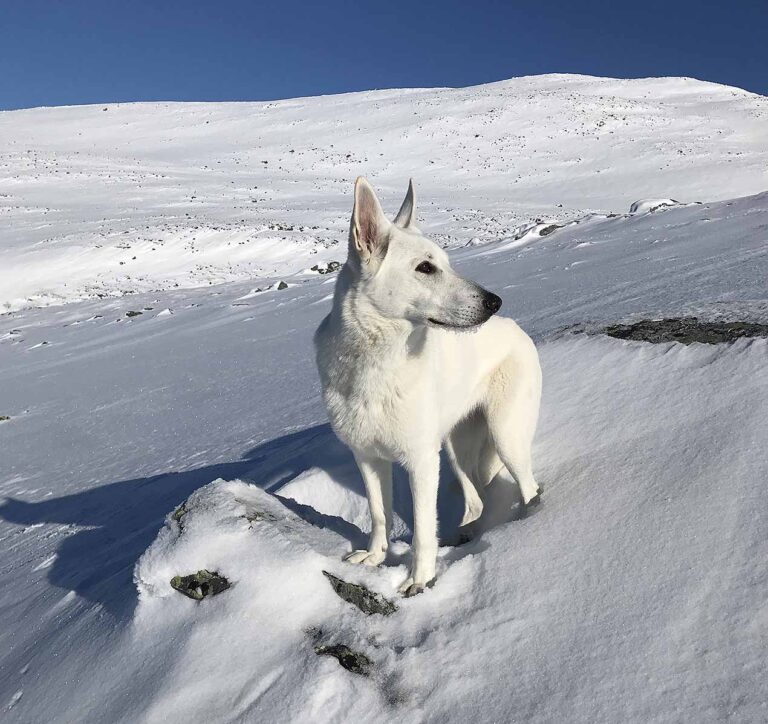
(368, 230)
(407, 215)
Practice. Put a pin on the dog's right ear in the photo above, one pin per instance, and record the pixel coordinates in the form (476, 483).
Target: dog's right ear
(406, 217)
(368, 231)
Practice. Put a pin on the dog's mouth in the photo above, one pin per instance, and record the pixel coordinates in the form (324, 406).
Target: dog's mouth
(452, 325)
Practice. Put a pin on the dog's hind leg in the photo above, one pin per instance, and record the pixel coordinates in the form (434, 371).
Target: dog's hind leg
(489, 463)
(473, 505)
(512, 409)
(377, 475)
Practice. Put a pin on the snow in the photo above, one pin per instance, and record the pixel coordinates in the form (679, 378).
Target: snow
(635, 592)
(157, 196)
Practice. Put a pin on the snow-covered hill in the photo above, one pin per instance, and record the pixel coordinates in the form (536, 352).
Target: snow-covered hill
(635, 592)
(124, 198)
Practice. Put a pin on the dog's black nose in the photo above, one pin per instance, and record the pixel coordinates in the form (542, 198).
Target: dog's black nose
(492, 302)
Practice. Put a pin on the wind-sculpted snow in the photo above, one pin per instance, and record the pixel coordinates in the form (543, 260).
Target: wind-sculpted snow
(617, 600)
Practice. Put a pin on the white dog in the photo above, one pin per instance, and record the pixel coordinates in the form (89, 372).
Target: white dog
(400, 381)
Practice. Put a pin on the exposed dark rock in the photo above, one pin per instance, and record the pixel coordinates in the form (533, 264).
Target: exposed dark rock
(547, 230)
(4, 418)
(330, 267)
(255, 515)
(365, 599)
(351, 660)
(282, 285)
(132, 313)
(200, 585)
(179, 513)
(686, 330)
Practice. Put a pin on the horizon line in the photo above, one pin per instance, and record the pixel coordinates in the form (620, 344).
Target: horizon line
(374, 90)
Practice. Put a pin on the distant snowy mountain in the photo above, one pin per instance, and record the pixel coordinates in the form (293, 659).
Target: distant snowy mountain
(634, 593)
(121, 198)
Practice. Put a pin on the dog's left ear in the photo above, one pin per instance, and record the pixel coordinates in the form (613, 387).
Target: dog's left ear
(368, 233)
(406, 217)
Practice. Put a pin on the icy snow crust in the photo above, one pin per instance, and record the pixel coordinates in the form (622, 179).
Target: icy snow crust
(635, 593)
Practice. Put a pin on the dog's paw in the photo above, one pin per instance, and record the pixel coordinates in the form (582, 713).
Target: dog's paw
(409, 588)
(465, 536)
(367, 558)
(529, 508)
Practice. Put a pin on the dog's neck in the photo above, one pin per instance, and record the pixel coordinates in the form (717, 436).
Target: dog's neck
(355, 317)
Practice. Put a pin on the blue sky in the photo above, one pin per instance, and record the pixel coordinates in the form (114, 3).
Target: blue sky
(97, 51)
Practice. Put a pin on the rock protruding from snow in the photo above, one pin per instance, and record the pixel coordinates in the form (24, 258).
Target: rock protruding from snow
(549, 229)
(200, 585)
(328, 268)
(648, 206)
(358, 595)
(686, 330)
(351, 660)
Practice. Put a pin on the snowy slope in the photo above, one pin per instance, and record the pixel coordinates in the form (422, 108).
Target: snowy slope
(635, 593)
(99, 200)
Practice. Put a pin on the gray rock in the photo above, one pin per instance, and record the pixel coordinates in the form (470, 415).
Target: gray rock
(255, 515)
(547, 230)
(200, 585)
(179, 513)
(351, 660)
(330, 267)
(365, 599)
(686, 330)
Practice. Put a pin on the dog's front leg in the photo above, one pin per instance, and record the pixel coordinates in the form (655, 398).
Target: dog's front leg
(424, 476)
(377, 475)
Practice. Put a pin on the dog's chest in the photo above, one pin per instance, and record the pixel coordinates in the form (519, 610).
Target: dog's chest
(373, 407)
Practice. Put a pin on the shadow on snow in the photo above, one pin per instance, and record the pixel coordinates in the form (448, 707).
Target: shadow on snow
(120, 520)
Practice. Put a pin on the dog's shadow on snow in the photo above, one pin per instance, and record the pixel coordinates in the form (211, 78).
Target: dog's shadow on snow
(106, 529)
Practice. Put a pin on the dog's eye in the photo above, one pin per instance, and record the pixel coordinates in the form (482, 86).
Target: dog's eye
(426, 267)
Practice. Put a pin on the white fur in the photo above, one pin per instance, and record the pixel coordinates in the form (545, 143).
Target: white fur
(400, 380)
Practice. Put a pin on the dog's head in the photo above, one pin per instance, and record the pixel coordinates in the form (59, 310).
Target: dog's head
(406, 276)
